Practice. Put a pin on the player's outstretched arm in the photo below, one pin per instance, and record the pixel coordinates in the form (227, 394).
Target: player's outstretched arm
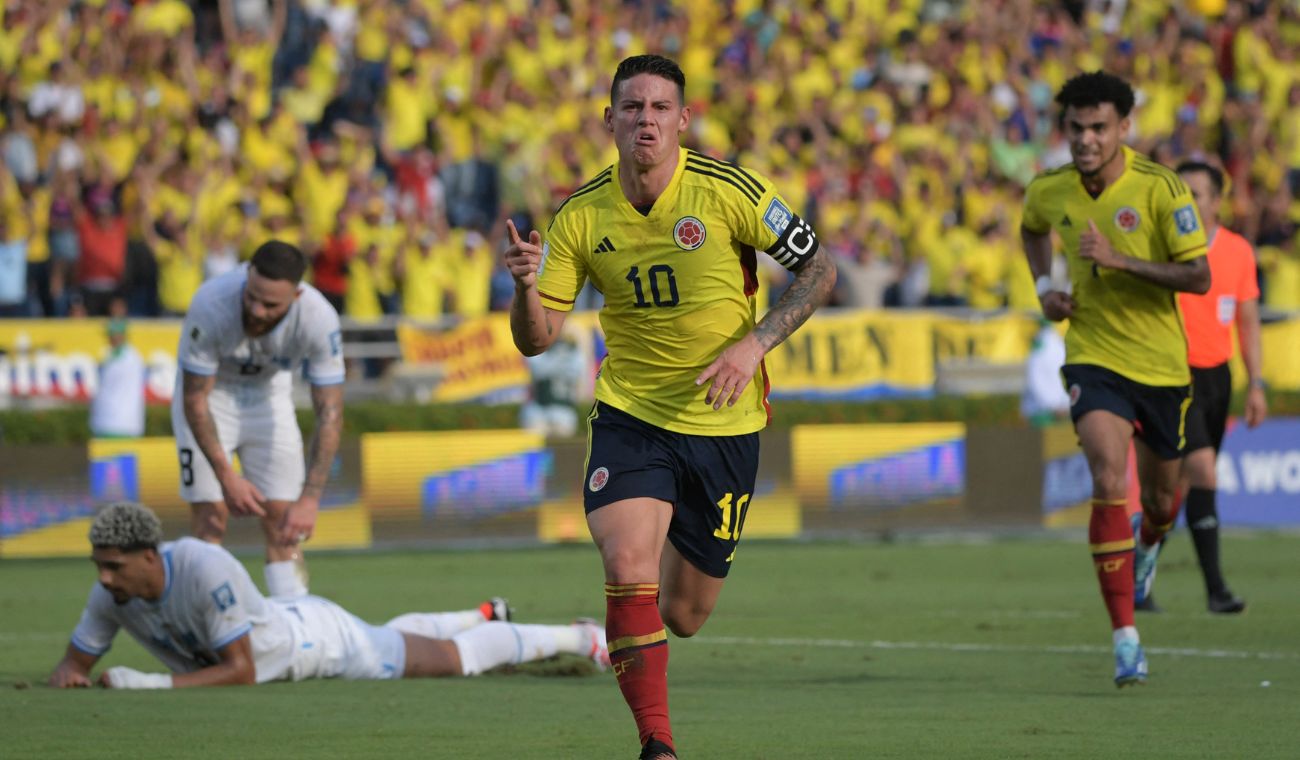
(73, 671)
(731, 372)
(235, 669)
(241, 496)
(300, 519)
(1184, 276)
(533, 326)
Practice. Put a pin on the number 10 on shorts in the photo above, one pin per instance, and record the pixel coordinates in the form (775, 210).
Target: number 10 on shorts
(733, 516)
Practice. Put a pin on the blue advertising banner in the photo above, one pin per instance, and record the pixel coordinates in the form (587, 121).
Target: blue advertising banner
(1259, 474)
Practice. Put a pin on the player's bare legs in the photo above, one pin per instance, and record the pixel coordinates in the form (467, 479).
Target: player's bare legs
(686, 595)
(1158, 479)
(1105, 438)
(276, 548)
(208, 520)
(430, 658)
(630, 535)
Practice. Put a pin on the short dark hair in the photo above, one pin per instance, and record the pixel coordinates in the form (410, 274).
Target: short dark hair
(1213, 172)
(649, 64)
(127, 527)
(1095, 88)
(278, 260)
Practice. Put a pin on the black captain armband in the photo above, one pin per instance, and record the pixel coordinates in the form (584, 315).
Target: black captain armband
(796, 244)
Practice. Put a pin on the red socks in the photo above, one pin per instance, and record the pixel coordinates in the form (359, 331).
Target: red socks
(638, 654)
(1111, 537)
(1152, 533)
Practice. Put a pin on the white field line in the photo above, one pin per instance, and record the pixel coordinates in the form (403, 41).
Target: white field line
(945, 646)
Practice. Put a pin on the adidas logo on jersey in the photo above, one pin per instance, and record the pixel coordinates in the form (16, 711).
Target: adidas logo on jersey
(605, 246)
(1065, 221)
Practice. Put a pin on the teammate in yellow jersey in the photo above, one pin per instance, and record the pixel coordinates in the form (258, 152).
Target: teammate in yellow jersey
(1133, 236)
(670, 237)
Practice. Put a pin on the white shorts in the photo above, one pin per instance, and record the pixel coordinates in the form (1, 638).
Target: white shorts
(261, 427)
(337, 644)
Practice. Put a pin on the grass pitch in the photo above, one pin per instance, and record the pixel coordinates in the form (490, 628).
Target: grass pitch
(822, 650)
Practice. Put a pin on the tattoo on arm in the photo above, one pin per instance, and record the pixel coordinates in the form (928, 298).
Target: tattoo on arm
(327, 401)
(811, 288)
(195, 390)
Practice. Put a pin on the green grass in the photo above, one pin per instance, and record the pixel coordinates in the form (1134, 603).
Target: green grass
(823, 650)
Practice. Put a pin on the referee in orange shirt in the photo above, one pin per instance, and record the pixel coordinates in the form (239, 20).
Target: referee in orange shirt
(1207, 319)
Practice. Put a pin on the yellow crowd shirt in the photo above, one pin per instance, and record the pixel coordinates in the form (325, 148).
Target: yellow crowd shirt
(679, 285)
(1122, 322)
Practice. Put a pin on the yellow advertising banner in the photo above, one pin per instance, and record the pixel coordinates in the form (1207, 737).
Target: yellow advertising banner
(855, 355)
(469, 473)
(58, 358)
(853, 466)
(137, 469)
(478, 359)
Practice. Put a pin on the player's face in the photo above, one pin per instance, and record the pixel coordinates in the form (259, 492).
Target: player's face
(266, 301)
(647, 119)
(1095, 134)
(128, 575)
(1207, 201)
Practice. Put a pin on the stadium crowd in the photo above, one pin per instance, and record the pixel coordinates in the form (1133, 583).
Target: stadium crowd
(149, 145)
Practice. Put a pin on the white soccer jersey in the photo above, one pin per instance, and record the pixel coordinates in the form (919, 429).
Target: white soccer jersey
(213, 340)
(208, 602)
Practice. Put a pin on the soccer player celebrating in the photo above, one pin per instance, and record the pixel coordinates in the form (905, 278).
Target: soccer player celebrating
(1132, 235)
(1233, 297)
(245, 334)
(192, 605)
(670, 237)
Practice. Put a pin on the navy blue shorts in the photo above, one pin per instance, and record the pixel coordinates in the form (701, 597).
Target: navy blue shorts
(708, 479)
(1158, 412)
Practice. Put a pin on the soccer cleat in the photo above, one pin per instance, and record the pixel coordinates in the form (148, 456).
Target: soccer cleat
(1144, 564)
(656, 750)
(599, 652)
(497, 608)
(1224, 603)
(1148, 605)
(1130, 663)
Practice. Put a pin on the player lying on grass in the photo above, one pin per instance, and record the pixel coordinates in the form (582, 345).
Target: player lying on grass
(193, 605)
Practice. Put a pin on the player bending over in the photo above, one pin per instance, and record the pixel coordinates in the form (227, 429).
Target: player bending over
(246, 334)
(193, 605)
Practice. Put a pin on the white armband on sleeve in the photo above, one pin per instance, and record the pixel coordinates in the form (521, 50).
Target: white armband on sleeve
(122, 677)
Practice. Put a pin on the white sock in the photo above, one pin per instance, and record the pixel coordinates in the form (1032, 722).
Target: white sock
(286, 579)
(436, 625)
(1125, 633)
(495, 643)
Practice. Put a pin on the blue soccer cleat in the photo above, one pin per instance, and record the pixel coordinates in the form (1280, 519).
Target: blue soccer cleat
(1144, 564)
(1130, 663)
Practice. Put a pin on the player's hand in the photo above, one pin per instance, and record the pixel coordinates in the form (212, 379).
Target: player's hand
(1057, 305)
(1256, 406)
(69, 676)
(523, 258)
(299, 521)
(122, 677)
(1094, 247)
(730, 373)
(242, 497)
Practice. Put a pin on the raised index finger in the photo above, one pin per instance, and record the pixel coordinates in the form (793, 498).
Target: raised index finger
(514, 233)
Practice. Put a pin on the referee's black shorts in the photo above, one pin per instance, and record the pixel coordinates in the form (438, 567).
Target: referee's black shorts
(1157, 412)
(1207, 419)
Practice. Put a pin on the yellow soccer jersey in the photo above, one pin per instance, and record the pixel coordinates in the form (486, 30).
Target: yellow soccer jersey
(1122, 322)
(679, 285)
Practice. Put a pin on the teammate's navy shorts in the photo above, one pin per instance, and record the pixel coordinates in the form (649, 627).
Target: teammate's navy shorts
(708, 479)
(1158, 412)
(1211, 397)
